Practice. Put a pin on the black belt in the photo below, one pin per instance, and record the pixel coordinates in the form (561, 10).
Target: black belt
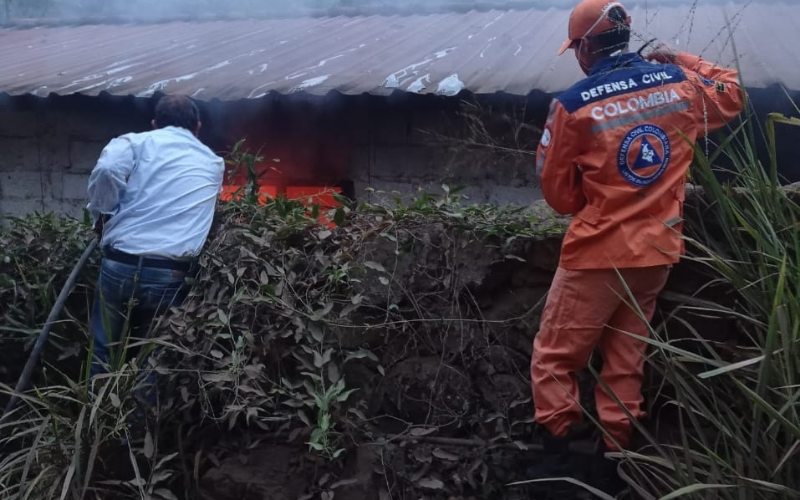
(133, 260)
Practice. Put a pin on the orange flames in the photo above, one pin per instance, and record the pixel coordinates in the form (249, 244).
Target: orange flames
(308, 195)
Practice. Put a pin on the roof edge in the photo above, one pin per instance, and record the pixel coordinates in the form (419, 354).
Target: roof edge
(412, 9)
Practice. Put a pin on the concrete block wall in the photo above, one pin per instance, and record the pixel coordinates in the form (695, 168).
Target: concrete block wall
(418, 148)
(48, 148)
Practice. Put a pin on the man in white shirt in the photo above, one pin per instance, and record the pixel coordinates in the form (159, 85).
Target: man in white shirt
(152, 196)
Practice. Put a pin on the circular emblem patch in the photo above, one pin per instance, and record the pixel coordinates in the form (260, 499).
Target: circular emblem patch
(644, 155)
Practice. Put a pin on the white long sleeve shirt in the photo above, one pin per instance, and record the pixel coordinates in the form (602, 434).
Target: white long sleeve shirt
(161, 188)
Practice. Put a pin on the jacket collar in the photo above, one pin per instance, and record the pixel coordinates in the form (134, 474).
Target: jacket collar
(607, 64)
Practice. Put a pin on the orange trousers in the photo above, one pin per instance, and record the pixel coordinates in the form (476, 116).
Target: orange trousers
(587, 309)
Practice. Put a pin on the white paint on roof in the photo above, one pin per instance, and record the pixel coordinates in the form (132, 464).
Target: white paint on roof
(92, 86)
(118, 69)
(162, 84)
(450, 86)
(354, 21)
(443, 53)
(325, 61)
(260, 70)
(312, 82)
(116, 82)
(153, 88)
(489, 44)
(254, 93)
(418, 85)
(494, 20)
(80, 81)
(113, 69)
(183, 78)
(126, 61)
(215, 67)
(399, 78)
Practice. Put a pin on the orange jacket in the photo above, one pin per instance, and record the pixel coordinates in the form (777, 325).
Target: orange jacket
(612, 155)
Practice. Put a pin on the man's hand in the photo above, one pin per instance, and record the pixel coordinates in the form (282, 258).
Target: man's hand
(662, 53)
(100, 224)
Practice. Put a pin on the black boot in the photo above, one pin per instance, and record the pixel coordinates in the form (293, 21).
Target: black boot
(603, 474)
(555, 459)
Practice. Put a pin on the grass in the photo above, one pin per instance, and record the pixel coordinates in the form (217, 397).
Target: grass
(737, 409)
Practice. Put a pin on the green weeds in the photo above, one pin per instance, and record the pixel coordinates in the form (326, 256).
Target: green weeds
(736, 407)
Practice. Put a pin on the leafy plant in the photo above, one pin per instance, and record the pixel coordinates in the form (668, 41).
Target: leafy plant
(37, 254)
(323, 439)
(242, 159)
(737, 407)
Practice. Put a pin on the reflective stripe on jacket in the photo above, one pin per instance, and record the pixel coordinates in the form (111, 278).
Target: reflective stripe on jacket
(612, 154)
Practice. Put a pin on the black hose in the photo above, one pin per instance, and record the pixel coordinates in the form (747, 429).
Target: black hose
(33, 360)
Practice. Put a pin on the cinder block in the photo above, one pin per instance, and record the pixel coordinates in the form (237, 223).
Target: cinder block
(392, 131)
(72, 208)
(83, 155)
(504, 195)
(53, 152)
(358, 169)
(20, 185)
(16, 123)
(434, 127)
(100, 126)
(383, 192)
(18, 153)
(20, 208)
(411, 164)
(73, 186)
(53, 181)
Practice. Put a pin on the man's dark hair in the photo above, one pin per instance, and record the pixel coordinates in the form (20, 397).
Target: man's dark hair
(177, 111)
(615, 39)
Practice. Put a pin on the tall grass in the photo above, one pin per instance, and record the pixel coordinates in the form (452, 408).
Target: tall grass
(737, 408)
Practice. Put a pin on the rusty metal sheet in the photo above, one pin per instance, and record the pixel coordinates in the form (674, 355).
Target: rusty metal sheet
(443, 53)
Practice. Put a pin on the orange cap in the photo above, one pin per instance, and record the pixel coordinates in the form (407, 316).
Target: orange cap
(591, 17)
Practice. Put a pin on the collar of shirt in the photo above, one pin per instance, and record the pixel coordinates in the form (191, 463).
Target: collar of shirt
(180, 130)
(607, 64)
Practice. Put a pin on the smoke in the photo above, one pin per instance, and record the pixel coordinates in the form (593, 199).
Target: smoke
(72, 10)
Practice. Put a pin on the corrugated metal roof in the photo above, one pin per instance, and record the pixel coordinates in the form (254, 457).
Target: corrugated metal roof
(483, 52)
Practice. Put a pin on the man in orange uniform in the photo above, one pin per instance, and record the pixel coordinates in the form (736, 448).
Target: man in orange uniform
(612, 156)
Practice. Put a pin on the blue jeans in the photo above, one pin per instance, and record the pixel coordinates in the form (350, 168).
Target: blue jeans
(128, 301)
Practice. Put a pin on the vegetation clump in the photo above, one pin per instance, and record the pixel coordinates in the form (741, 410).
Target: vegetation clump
(382, 352)
(297, 331)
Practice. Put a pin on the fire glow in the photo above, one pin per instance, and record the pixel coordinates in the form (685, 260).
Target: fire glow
(273, 182)
(308, 195)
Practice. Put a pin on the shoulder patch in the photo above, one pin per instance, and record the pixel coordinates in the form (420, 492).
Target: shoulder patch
(721, 87)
